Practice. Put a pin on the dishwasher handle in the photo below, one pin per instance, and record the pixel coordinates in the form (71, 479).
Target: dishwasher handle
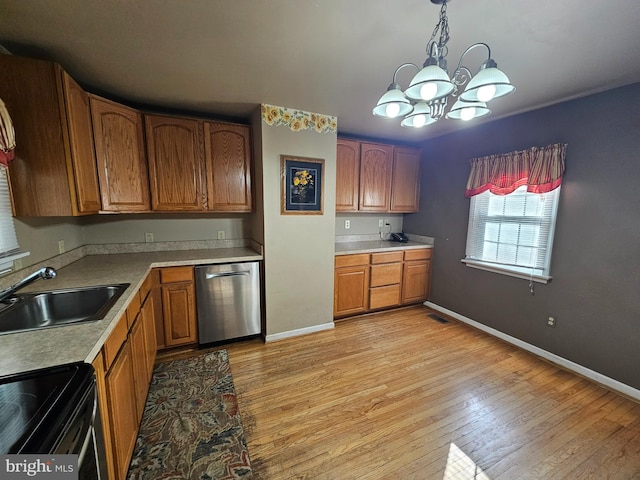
(209, 276)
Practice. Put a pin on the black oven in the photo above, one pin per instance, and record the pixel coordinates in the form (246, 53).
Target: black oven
(54, 411)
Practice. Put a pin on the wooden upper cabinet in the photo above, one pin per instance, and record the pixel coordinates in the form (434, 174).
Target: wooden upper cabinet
(405, 185)
(228, 165)
(375, 177)
(347, 175)
(175, 148)
(54, 172)
(84, 177)
(120, 154)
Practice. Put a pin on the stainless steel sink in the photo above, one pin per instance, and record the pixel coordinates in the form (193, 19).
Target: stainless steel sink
(31, 311)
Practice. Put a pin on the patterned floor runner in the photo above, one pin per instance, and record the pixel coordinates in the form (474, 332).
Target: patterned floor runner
(191, 427)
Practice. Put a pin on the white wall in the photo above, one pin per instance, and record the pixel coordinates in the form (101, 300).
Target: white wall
(299, 249)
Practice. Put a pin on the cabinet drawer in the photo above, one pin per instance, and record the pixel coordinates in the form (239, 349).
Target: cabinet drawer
(352, 260)
(420, 254)
(386, 257)
(176, 274)
(386, 274)
(114, 342)
(388, 296)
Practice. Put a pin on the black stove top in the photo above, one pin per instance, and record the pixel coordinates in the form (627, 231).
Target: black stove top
(34, 406)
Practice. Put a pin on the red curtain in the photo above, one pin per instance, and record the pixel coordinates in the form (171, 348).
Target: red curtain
(541, 169)
(7, 136)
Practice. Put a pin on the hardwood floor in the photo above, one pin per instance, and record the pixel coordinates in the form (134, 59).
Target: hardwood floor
(398, 395)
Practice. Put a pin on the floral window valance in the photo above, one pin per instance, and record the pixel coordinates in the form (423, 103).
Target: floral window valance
(540, 168)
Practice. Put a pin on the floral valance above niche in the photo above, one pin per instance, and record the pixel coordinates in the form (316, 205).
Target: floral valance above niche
(540, 168)
(298, 120)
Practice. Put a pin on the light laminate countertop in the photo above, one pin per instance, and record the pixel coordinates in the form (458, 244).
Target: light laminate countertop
(373, 246)
(21, 352)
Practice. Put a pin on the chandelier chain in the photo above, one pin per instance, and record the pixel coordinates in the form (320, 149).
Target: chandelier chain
(443, 27)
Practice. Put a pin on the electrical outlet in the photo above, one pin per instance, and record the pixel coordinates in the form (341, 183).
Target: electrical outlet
(551, 322)
(381, 223)
(220, 234)
(61, 248)
(148, 237)
(347, 224)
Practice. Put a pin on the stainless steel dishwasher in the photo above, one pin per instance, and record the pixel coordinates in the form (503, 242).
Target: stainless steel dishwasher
(228, 301)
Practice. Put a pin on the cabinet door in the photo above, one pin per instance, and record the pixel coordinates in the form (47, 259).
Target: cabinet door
(103, 404)
(175, 148)
(347, 175)
(351, 288)
(228, 161)
(139, 364)
(405, 187)
(122, 409)
(84, 179)
(148, 322)
(122, 165)
(375, 177)
(178, 309)
(415, 281)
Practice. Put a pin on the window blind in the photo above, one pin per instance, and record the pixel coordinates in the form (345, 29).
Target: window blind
(9, 249)
(512, 232)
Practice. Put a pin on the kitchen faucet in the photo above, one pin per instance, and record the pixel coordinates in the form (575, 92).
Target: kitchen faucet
(45, 273)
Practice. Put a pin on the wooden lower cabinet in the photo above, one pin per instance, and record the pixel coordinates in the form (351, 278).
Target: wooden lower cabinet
(147, 316)
(416, 276)
(123, 369)
(386, 278)
(178, 306)
(351, 285)
(368, 282)
(103, 405)
(123, 418)
(139, 363)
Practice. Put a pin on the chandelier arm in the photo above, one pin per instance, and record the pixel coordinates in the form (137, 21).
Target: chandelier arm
(401, 67)
(479, 44)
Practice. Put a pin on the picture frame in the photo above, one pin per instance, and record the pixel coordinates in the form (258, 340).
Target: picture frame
(302, 185)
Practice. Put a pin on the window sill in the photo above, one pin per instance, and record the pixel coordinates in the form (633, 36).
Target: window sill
(517, 272)
(6, 262)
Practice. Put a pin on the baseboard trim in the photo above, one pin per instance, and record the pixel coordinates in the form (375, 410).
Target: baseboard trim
(299, 331)
(608, 382)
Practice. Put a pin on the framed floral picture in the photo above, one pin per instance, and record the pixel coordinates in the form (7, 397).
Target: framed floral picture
(302, 187)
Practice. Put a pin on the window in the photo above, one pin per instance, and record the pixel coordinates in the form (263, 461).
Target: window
(512, 217)
(9, 249)
(512, 233)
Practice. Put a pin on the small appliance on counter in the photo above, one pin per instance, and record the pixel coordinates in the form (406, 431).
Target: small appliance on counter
(399, 237)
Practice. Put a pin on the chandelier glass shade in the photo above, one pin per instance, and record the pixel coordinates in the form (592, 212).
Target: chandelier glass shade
(425, 100)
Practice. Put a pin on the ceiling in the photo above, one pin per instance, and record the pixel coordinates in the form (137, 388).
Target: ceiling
(335, 57)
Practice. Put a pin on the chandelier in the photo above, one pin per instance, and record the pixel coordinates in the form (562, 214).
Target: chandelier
(425, 100)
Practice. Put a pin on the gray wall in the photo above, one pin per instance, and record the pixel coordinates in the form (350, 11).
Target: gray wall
(595, 292)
